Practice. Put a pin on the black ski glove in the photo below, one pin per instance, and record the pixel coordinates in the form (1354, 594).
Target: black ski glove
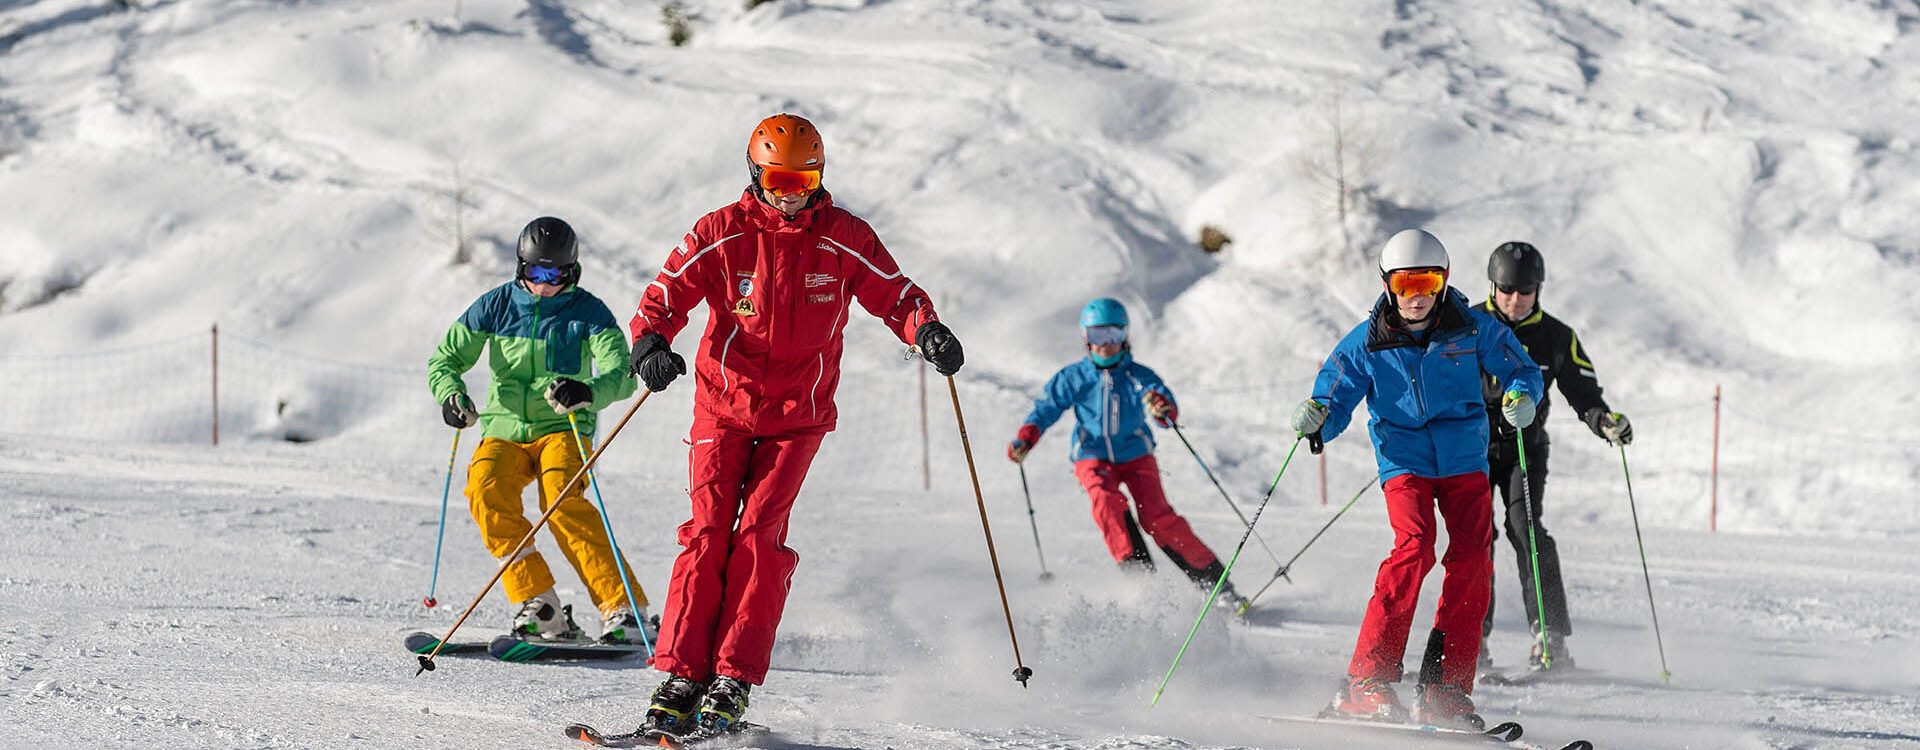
(458, 411)
(566, 395)
(655, 364)
(939, 348)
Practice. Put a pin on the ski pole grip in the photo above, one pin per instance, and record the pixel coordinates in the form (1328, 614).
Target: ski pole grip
(1314, 444)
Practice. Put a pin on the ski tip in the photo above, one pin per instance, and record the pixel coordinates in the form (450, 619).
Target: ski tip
(583, 733)
(1578, 745)
(1506, 731)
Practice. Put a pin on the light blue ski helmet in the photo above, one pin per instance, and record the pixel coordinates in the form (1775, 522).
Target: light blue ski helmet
(1105, 311)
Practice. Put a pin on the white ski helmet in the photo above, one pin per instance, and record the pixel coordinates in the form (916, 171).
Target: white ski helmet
(1412, 248)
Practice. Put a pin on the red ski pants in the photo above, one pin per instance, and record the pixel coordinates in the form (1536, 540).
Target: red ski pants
(1102, 480)
(1466, 506)
(730, 582)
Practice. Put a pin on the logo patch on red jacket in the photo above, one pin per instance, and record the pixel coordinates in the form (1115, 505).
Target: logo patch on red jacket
(816, 298)
(744, 308)
(820, 279)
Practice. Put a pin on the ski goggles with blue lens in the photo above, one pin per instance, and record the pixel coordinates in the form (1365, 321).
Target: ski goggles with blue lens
(539, 274)
(1106, 335)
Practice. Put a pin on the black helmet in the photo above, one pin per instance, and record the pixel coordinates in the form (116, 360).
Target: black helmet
(548, 241)
(1517, 265)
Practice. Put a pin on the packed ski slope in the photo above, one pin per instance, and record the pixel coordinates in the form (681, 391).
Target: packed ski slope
(1723, 190)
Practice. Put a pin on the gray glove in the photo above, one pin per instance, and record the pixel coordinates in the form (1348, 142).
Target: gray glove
(1517, 407)
(1308, 416)
(1614, 428)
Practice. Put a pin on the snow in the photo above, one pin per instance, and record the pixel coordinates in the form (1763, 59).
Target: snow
(1724, 192)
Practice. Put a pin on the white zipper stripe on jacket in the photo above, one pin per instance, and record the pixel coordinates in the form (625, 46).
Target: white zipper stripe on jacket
(813, 394)
(666, 296)
(726, 382)
(870, 266)
(1111, 410)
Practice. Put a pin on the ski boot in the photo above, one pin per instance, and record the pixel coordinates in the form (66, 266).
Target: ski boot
(1367, 699)
(1446, 706)
(673, 707)
(544, 618)
(1557, 647)
(724, 704)
(621, 626)
(1232, 601)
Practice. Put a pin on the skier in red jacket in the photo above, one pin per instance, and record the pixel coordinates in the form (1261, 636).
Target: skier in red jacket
(778, 270)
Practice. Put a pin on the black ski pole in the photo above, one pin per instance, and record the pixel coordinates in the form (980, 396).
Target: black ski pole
(1223, 491)
(1282, 571)
(426, 660)
(1044, 575)
(1020, 670)
(1665, 676)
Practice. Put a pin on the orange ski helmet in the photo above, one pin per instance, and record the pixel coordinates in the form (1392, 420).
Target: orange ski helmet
(786, 142)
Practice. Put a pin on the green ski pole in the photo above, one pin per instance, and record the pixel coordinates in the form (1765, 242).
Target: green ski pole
(1282, 571)
(1208, 604)
(1533, 550)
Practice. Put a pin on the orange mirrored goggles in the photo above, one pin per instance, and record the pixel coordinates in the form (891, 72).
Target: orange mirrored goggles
(1416, 282)
(782, 182)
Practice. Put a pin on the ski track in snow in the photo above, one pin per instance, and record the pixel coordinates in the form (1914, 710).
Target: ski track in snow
(259, 164)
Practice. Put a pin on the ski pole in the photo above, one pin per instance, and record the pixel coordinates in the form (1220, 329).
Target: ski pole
(626, 576)
(1223, 491)
(1533, 550)
(1665, 676)
(1020, 670)
(426, 660)
(1044, 575)
(1282, 572)
(440, 536)
(1208, 604)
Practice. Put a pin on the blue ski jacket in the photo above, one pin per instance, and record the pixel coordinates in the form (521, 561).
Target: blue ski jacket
(1429, 418)
(1108, 403)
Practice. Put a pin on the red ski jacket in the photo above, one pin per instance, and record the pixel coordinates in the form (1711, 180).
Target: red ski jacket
(778, 290)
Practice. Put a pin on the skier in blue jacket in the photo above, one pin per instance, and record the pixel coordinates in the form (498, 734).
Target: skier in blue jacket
(1111, 396)
(1417, 361)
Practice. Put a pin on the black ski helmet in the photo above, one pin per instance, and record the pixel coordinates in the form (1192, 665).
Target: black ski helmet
(548, 241)
(1517, 264)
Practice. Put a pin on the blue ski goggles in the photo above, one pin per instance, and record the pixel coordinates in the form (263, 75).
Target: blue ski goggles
(539, 274)
(1106, 335)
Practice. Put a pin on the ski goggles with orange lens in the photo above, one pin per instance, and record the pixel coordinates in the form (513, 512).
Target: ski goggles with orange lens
(1417, 282)
(1106, 335)
(782, 182)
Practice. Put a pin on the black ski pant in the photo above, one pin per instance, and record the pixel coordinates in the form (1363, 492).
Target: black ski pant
(1506, 478)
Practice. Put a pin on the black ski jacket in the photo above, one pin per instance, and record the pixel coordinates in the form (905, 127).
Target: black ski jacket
(1556, 348)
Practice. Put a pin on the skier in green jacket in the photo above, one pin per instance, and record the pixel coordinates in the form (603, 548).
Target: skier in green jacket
(558, 356)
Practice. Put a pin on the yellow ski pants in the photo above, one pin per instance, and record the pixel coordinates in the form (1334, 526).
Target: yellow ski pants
(501, 469)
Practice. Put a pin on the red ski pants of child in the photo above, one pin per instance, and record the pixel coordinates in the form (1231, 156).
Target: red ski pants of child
(1102, 480)
(731, 580)
(1466, 507)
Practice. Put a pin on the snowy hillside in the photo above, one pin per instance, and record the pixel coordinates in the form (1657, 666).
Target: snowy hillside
(1724, 192)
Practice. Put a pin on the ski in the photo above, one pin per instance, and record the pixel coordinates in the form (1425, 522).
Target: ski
(1505, 733)
(516, 649)
(739, 731)
(422, 642)
(1531, 676)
